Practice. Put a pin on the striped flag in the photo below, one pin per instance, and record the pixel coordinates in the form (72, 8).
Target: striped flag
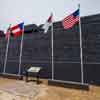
(48, 23)
(71, 20)
(17, 29)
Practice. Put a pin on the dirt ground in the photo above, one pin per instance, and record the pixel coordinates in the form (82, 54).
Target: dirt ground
(54, 92)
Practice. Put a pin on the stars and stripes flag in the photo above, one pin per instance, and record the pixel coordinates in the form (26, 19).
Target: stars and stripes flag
(71, 20)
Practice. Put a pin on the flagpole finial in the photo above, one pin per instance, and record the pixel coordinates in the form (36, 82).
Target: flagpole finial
(51, 13)
(78, 5)
(9, 24)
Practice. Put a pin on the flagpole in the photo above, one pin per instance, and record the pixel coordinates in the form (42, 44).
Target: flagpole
(1, 52)
(52, 51)
(81, 52)
(5, 61)
(21, 47)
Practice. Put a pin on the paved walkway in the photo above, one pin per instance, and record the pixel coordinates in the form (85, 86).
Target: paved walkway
(32, 91)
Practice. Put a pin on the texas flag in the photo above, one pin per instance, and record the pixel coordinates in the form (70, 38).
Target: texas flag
(17, 30)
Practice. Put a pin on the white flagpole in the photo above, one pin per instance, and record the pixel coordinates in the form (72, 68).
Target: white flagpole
(21, 47)
(8, 39)
(81, 53)
(52, 50)
(1, 53)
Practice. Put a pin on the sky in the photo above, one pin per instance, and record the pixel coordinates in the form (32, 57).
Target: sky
(37, 11)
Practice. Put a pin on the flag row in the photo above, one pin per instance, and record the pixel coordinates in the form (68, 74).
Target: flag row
(68, 22)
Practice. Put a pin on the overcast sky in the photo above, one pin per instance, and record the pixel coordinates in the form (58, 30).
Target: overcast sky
(37, 11)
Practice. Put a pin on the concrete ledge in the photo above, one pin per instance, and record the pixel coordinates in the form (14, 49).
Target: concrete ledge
(68, 84)
(11, 76)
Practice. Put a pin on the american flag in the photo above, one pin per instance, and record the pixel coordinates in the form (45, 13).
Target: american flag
(71, 20)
